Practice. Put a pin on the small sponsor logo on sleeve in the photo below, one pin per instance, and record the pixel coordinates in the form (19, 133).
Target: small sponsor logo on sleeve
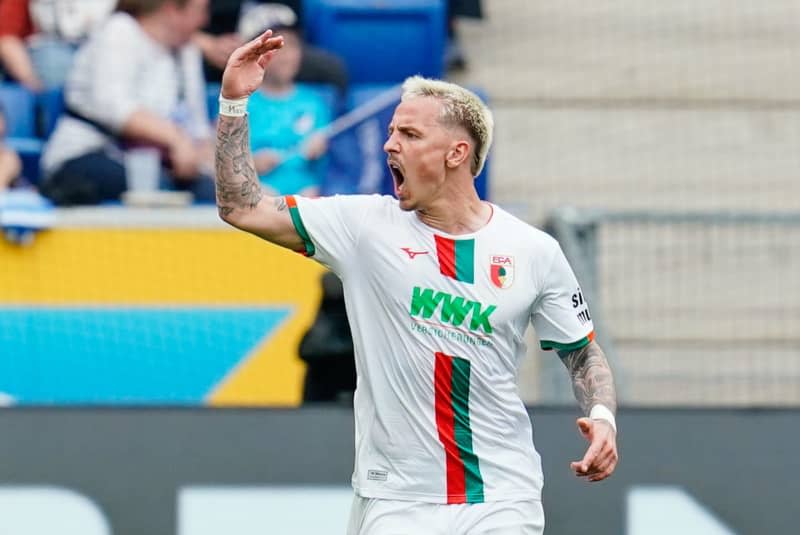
(377, 475)
(580, 305)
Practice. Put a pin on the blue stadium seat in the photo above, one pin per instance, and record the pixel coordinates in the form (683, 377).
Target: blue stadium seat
(20, 109)
(30, 152)
(381, 42)
(50, 106)
(212, 99)
(373, 173)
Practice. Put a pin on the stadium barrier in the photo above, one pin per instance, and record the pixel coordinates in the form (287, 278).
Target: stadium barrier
(286, 472)
(152, 306)
(696, 308)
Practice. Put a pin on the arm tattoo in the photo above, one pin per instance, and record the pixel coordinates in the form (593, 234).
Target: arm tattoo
(237, 184)
(592, 381)
(280, 204)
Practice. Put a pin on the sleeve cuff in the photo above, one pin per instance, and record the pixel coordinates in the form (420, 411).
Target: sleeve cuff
(297, 221)
(570, 346)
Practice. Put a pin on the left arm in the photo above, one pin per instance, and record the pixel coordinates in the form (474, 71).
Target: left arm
(593, 386)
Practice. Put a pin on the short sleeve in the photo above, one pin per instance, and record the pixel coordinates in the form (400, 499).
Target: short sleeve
(561, 314)
(15, 19)
(331, 226)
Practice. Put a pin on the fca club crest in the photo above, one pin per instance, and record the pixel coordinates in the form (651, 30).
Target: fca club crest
(502, 270)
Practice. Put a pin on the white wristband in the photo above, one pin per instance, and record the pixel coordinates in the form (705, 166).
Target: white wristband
(601, 412)
(233, 107)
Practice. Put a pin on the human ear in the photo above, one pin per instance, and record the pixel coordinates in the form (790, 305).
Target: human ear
(457, 154)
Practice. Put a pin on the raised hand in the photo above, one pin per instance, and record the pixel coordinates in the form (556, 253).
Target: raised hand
(601, 457)
(245, 69)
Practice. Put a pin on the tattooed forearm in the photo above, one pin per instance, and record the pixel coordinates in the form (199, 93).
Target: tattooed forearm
(237, 184)
(592, 381)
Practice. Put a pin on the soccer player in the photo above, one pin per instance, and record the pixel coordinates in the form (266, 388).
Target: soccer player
(440, 287)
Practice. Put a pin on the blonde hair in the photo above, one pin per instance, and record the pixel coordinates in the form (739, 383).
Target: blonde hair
(460, 107)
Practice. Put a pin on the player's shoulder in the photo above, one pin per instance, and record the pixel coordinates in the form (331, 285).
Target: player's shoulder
(364, 199)
(353, 203)
(523, 232)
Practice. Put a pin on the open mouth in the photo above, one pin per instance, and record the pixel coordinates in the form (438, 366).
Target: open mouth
(397, 174)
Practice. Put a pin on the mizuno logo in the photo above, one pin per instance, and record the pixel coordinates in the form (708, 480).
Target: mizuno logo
(453, 310)
(411, 254)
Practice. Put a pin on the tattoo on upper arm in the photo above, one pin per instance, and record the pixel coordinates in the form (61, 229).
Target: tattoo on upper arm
(280, 204)
(237, 184)
(592, 381)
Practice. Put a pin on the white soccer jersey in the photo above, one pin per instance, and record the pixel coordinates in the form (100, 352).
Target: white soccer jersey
(438, 323)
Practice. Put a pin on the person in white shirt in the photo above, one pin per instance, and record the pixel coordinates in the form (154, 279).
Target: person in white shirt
(439, 288)
(136, 82)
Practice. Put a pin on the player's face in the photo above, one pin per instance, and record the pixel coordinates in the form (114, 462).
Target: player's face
(416, 149)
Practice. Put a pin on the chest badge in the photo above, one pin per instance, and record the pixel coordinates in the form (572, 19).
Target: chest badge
(501, 270)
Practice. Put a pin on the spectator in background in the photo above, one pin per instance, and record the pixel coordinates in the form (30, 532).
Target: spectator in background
(137, 81)
(242, 18)
(285, 115)
(327, 348)
(39, 38)
(10, 162)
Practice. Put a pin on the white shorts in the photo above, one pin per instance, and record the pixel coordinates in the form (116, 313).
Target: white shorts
(371, 516)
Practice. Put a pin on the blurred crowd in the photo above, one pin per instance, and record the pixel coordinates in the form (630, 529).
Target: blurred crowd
(120, 76)
(126, 84)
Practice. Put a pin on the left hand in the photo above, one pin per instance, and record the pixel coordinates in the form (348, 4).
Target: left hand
(245, 69)
(601, 457)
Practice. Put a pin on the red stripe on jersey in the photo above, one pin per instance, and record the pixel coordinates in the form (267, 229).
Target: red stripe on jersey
(446, 251)
(445, 424)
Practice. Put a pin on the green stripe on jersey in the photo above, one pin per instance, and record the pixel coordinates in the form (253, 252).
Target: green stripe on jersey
(571, 346)
(465, 260)
(297, 221)
(463, 430)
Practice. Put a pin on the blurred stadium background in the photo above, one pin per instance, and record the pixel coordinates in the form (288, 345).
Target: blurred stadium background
(684, 117)
(656, 140)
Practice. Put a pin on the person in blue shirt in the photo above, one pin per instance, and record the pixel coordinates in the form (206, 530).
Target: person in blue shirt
(285, 115)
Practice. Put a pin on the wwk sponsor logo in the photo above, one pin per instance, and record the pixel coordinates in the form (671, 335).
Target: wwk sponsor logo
(452, 309)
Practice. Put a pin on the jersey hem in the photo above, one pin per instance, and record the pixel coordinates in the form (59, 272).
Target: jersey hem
(442, 498)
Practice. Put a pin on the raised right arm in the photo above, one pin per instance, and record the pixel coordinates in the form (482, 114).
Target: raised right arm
(240, 199)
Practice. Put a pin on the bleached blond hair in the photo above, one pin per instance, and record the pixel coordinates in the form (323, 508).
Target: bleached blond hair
(460, 107)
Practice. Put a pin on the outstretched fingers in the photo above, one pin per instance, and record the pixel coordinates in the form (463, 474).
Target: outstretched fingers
(601, 457)
(602, 466)
(255, 49)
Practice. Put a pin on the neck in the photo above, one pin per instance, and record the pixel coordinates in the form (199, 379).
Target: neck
(459, 211)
